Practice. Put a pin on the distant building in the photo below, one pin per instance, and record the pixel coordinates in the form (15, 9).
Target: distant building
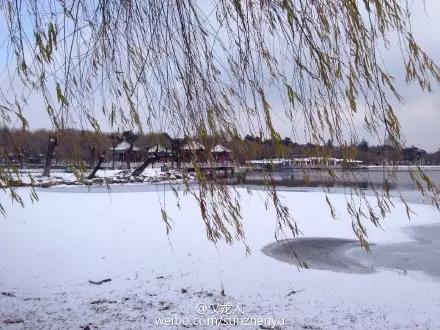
(165, 155)
(121, 152)
(324, 161)
(221, 154)
(159, 150)
(192, 150)
(303, 162)
(271, 164)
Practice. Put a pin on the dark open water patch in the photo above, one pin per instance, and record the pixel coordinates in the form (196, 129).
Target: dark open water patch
(343, 255)
(322, 253)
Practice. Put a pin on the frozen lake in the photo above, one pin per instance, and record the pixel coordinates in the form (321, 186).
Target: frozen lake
(364, 178)
(52, 248)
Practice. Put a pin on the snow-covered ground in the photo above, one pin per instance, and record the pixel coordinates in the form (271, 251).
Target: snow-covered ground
(25, 178)
(50, 250)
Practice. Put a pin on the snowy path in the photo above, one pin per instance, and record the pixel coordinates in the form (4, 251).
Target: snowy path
(51, 249)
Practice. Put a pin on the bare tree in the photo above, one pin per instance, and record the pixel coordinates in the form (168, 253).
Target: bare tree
(52, 142)
(130, 138)
(116, 139)
(92, 150)
(176, 149)
(101, 159)
(150, 159)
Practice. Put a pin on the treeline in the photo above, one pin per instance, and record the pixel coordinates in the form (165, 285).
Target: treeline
(73, 145)
(374, 155)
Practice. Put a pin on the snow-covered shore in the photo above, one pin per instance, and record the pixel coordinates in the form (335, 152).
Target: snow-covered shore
(103, 177)
(51, 249)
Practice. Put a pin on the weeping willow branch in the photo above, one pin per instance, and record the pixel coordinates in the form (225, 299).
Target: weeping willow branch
(214, 68)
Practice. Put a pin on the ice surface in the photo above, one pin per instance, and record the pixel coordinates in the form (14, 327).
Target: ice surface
(51, 249)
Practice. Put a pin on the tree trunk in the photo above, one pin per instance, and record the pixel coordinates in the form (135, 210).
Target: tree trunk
(175, 153)
(113, 158)
(179, 162)
(101, 158)
(150, 160)
(51, 145)
(92, 150)
(178, 157)
(128, 156)
(172, 157)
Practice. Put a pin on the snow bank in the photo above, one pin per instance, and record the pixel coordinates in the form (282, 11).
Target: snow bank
(102, 177)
